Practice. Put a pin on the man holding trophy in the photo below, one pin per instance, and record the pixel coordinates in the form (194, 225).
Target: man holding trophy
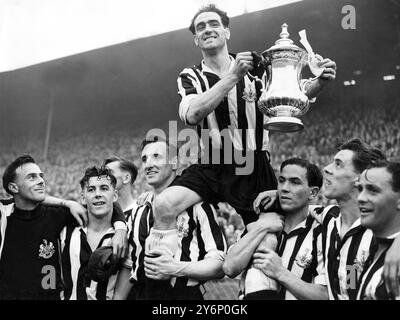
(231, 111)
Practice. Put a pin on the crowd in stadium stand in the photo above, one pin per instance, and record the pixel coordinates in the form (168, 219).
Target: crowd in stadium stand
(69, 155)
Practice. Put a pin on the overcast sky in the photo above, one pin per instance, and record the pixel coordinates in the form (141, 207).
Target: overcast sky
(35, 31)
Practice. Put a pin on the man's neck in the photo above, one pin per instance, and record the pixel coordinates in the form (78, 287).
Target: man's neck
(390, 228)
(96, 229)
(157, 190)
(23, 204)
(125, 198)
(292, 219)
(99, 224)
(218, 62)
(349, 213)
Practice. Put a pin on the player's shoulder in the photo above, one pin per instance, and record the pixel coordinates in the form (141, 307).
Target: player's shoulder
(204, 208)
(191, 70)
(6, 207)
(323, 214)
(55, 213)
(53, 208)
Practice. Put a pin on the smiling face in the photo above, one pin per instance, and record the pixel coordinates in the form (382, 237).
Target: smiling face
(99, 195)
(158, 171)
(29, 184)
(293, 189)
(340, 176)
(378, 203)
(210, 34)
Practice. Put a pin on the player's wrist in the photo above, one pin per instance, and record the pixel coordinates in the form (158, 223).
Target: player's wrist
(180, 269)
(67, 203)
(262, 226)
(167, 239)
(282, 275)
(120, 226)
(233, 77)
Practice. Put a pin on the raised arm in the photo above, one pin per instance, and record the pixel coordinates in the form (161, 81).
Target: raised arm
(314, 87)
(76, 209)
(195, 106)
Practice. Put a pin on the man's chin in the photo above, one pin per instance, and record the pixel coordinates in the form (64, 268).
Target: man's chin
(38, 199)
(210, 48)
(366, 221)
(329, 195)
(287, 210)
(99, 213)
(153, 182)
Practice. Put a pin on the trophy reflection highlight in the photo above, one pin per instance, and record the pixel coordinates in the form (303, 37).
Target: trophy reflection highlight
(282, 98)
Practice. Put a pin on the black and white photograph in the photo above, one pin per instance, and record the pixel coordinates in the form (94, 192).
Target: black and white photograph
(199, 154)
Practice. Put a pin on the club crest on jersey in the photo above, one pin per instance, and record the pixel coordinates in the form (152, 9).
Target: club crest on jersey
(46, 249)
(360, 260)
(182, 224)
(304, 260)
(249, 94)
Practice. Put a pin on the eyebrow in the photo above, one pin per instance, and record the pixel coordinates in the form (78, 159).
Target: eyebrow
(32, 174)
(290, 178)
(102, 185)
(208, 21)
(372, 186)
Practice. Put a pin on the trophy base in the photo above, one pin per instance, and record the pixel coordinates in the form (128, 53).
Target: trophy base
(284, 124)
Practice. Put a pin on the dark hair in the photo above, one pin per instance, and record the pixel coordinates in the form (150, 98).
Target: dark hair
(210, 8)
(364, 154)
(314, 173)
(171, 148)
(393, 168)
(125, 165)
(97, 172)
(10, 172)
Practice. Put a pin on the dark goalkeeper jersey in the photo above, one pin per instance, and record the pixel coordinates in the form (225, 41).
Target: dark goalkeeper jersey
(29, 250)
(29, 264)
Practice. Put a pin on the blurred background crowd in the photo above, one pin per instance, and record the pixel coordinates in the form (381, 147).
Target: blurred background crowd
(325, 127)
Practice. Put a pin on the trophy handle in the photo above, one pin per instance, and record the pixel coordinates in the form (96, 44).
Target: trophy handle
(312, 61)
(261, 65)
(257, 79)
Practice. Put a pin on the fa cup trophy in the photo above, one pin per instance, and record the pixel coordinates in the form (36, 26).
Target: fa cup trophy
(283, 97)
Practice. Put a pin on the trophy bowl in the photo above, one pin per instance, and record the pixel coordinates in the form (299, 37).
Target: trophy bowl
(283, 99)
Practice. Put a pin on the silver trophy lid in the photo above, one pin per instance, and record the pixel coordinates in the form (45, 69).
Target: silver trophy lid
(284, 42)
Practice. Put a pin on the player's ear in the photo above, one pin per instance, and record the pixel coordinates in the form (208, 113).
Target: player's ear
(12, 186)
(196, 41)
(83, 200)
(115, 195)
(313, 193)
(227, 33)
(126, 178)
